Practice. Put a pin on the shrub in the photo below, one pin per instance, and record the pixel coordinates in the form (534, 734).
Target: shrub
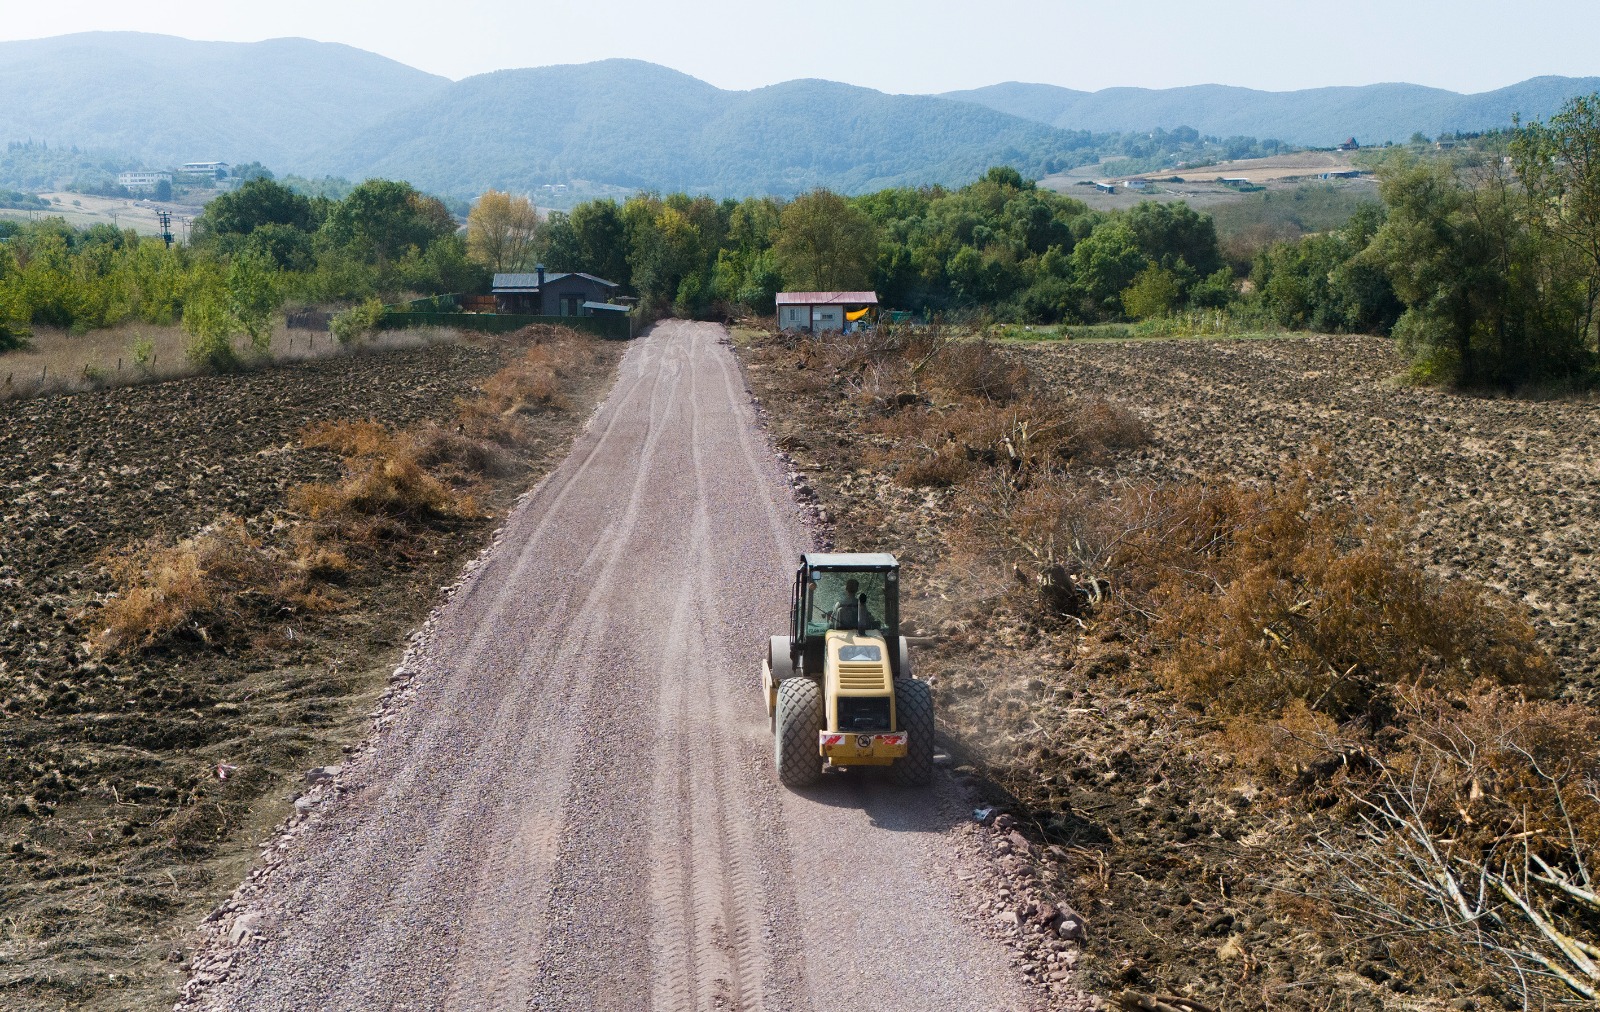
(1154, 292)
(1287, 593)
(1255, 598)
(358, 322)
(143, 352)
(211, 328)
(932, 448)
(1473, 845)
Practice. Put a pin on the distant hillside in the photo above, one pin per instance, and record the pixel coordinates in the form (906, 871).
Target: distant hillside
(1314, 117)
(618, 125)
(172, 100)
(634, 124)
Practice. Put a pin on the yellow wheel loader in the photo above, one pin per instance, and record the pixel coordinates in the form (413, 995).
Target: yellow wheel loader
(839, 687)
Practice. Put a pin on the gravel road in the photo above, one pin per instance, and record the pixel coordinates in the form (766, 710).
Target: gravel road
(576, 809)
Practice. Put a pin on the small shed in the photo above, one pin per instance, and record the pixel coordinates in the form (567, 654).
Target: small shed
(817, 312)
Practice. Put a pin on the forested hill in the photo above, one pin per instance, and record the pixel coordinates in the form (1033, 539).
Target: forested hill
(632, 124)
(620, 125)
(170, 100)
(1316, 117)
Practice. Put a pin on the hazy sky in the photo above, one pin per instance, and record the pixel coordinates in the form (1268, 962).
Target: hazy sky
(914, 45)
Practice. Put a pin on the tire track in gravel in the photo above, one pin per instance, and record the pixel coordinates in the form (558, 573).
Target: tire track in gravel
(575, 809)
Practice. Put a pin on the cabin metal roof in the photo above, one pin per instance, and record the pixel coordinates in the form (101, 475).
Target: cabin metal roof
(849, 560)
(505, 284)
(827, 298)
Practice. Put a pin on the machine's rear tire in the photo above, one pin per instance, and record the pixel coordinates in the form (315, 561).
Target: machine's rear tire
(913, 704)
(799, 718)
(780, 665)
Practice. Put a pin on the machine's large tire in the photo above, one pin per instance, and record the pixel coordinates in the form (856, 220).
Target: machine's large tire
(800, 717)
(913, 704)
(780, 665)
(907, 668)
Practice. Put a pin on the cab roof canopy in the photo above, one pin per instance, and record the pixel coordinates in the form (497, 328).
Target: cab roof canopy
(849, 560)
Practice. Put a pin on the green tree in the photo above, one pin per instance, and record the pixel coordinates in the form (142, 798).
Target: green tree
(254, 295)
(600, 240)
(1155, 291)
(1486, 302)
(211, 327)
(1177, 238)
(382, 219)
(256, 203)
(825, 244)
(1106, 263)
(1558, 165)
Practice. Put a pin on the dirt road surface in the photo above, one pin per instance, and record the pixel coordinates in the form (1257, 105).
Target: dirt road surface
(577, 810)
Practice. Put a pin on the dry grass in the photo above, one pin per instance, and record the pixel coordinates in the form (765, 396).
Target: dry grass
(210, 586)
(57, 361)
(395, 485)
(945, 406)
(1255, 597)
(530, 386)
(385, 491)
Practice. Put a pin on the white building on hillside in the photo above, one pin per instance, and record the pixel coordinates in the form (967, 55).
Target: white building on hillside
(216, 169)
(143, 179)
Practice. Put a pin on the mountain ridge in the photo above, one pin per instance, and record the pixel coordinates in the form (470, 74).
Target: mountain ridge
(171, 100)
(316, 107)
(1311, 117)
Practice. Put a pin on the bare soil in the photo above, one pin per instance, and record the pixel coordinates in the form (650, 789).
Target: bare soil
(1184, 868)
(134, 785)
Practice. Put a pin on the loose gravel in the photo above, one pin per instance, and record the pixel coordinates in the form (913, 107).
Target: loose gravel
(568, 800)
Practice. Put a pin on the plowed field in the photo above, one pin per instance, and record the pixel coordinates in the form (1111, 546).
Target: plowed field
(133, 783)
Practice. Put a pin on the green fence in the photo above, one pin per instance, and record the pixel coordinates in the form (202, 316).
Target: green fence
(617, 326)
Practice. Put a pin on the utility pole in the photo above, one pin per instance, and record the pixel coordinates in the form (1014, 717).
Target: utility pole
(164, 217)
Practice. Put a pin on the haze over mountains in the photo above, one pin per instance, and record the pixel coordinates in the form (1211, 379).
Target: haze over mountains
(1315, 117)
(313, 108)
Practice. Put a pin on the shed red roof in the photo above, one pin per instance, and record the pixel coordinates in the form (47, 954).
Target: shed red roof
(827, 298)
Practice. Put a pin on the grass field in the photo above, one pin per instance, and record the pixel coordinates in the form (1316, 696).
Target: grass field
(1199, 188)
(82, 210)
(56, 361)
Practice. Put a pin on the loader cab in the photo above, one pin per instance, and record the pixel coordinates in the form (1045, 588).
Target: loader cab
(822, 588)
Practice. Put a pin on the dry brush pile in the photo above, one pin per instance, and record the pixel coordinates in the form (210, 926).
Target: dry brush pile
(1256, 725)
(194, 572)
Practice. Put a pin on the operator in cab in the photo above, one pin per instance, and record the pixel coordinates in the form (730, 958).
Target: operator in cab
(852, 612)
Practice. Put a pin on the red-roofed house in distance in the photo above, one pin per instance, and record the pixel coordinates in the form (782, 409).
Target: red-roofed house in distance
(822, 311)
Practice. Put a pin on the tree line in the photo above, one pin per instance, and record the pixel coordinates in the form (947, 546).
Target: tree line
(1486, 269)
(1001, 245)
(252, 250)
